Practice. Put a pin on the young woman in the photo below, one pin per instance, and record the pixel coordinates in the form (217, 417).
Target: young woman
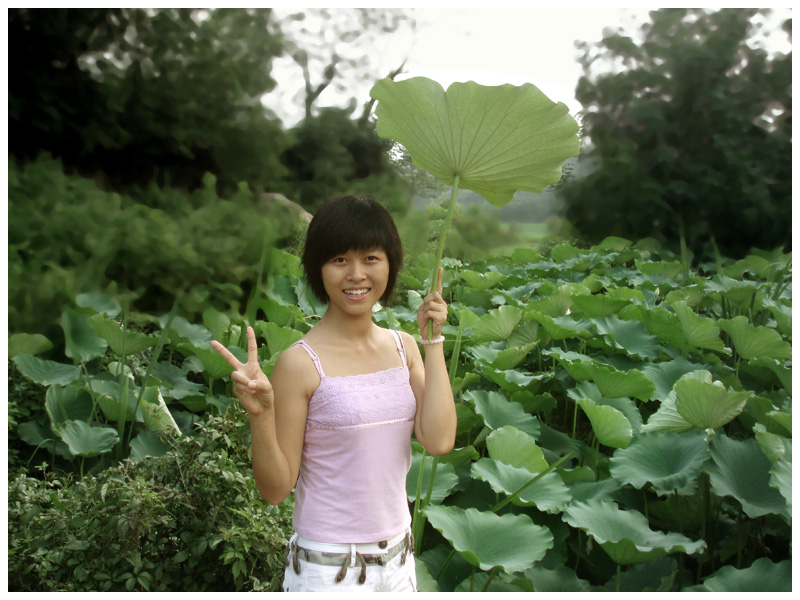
(336, 417)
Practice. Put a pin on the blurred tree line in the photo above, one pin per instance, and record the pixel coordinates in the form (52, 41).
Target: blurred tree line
(689, 134)
(134, 96)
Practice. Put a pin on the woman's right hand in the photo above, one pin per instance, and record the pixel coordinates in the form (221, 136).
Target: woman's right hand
(250, 385)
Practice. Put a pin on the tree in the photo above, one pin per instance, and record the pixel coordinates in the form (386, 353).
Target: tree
(690, 134)
(133, 95)
(336, 50)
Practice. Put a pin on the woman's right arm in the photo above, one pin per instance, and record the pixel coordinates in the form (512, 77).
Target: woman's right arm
(277, 409)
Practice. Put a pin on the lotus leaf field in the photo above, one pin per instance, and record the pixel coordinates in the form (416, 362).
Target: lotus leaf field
(624, 419)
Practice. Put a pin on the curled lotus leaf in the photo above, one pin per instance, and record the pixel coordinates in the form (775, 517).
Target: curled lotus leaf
(486, 540)
(668, 461)
(625, 535)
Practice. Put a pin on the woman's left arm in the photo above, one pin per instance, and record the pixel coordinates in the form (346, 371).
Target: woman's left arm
(435, 425)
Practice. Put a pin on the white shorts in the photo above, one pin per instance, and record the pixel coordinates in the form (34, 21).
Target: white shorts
(379, 567)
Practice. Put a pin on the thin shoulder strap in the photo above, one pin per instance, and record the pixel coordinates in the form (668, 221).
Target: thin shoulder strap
(313, 356)
(400, 346)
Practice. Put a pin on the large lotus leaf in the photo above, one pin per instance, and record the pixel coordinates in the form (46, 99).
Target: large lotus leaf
(630, 337)
(668, 461)
(497, 140)
(625, 535)
(110, 398)
(182, 331)
(611, 382)
(99, 302)
(500, 358)
(762, 576)
(121, 342)
(735, 291)
(80, 340)
(71, 403)
(477, 582)
(176, 384)
(556, 304)
(481, 281)
(778, 367)
(26, 343)
(497, 325)
(708, 405)
(610, 426)
(46, 372)
(755, 342)
(775, 447)
(443, 484)
(597, 305)
(85, 440)
(560, 328)
(659, 321)
(212, 362)
(278, 338)
(486, 540)
(667, 418)
(155, 413)
(558, 579)
(741, 470)
(35, 434)
(148, 443)
(700, 332)
(511, 380)
(665, 374)
(513, 447)
(782, 315)
(498, 412)
(548, 493)
(780, 478)
(525, 334)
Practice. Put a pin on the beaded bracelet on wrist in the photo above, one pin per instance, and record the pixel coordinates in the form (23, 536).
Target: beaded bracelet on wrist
(438, 340)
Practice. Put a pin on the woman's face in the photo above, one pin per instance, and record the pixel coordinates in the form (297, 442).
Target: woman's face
(356, 279)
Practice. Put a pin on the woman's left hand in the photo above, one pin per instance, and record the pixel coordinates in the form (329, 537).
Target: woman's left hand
(433, 308)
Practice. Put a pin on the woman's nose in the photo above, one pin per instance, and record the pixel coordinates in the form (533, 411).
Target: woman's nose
(356, 272)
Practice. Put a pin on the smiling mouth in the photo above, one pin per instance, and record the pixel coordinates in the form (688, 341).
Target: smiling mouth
(356, 293)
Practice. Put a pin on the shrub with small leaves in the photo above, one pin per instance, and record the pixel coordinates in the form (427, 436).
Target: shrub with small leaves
(191, 520)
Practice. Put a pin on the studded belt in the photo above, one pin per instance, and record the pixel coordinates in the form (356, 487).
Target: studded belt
(343, 559)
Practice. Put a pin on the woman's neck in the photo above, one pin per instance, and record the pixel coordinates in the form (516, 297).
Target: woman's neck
(347, 327)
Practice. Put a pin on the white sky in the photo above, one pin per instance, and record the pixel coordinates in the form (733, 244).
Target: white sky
(491, 46)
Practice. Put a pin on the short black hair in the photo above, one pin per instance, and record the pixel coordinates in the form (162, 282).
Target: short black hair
(348, 223)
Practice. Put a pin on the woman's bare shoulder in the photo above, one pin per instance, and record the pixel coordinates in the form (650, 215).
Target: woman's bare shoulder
(295, 366)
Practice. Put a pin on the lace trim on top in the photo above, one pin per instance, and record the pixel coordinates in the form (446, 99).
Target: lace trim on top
(361, 400)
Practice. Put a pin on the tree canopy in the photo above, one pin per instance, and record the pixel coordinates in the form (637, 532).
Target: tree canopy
(690, 134)
(135, 96)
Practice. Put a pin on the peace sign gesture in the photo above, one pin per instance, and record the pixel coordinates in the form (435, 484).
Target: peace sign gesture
(251, 386)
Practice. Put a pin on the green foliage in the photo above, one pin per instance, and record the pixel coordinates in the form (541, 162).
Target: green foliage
(67, 237)
(138, 95)
(690, 135)
(493, 140)
(609, 395)
(189, 521)
(613, 410)
(330, 154)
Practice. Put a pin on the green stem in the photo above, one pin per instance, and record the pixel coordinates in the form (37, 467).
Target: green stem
(492, 575)
(550, 469)
(619, 577)
(440, 250)
(162, 340)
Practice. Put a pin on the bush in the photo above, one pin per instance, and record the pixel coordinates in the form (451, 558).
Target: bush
(67, 236)
(191, 520)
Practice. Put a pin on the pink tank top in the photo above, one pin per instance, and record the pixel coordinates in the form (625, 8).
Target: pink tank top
(356, 456)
